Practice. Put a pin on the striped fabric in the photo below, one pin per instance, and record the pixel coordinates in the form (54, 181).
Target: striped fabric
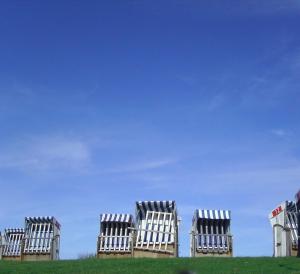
(212, 228)
(297, 197)
(117, 218)
(115, 233)
(213, 214)
(292, 220)
(159, 206)
(13, 239)
(42, 219)
(158, 227)
(291, 206)
(14, 230)
(292, 224)
(210, 242)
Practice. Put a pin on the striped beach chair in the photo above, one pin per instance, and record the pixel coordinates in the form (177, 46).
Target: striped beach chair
(115, 238)
(156, 233)
(12, 243)
(284, 222)
(42, 239)
(210, 235)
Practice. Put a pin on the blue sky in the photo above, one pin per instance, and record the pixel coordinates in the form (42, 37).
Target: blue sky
(109, 102)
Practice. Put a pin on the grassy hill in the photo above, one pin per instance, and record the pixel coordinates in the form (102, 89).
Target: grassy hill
(164, 266)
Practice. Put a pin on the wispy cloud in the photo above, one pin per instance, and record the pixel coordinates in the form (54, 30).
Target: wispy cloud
(189, 80)
(46, 153)
(274, 87)
(252, 211)
(265, 7)
(216, 102)
(260, 178)
(281, 132)
(143, 166)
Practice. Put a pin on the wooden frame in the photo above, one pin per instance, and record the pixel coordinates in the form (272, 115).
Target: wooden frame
(210, 235)
(156, 233)
(284, 222)
(12, 244)
(293, 227)
(41, 240)
(115, 238)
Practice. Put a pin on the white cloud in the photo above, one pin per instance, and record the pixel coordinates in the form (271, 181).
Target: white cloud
(252, 211)
(216, 102)
(237, 8)
(265, 7)
(280, 132)
(62, 149)
(258, 178)
(46, 153)
(188, 79)
(143, 166)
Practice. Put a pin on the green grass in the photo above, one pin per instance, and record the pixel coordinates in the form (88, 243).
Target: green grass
(164, 266)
